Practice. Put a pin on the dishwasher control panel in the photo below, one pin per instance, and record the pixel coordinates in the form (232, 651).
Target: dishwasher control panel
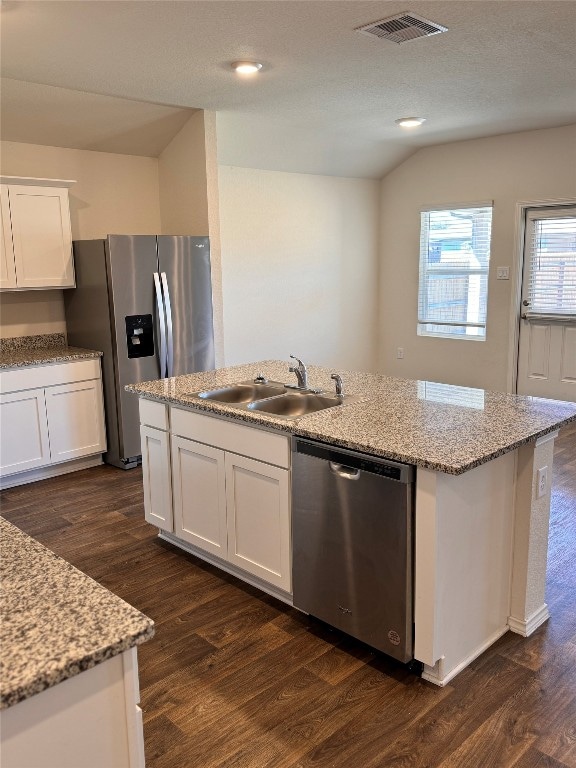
(404, 473)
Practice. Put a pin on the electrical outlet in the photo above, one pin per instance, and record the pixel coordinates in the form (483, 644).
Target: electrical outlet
(541, 482)
(503, 273)
(400, 353)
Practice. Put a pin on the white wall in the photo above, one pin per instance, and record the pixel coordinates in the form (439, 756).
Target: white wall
(114, 194)
(299, 266)
(530, 166)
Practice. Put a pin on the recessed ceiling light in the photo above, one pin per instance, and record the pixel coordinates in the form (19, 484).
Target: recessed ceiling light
(246, 67)
(410, 122)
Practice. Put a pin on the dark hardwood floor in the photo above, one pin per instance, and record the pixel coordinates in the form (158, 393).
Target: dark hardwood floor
(233, 678)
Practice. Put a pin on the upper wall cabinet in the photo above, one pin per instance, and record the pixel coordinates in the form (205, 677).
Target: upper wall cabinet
(36, 238)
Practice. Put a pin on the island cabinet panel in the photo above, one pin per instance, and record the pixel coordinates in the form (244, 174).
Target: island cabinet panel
(258, 503)
(230, 492)
(463, 547)
(154, 414)
(23, 431)
(91, 720)
(238, 438)
(199, 489)
(38, 220)
(156, 477)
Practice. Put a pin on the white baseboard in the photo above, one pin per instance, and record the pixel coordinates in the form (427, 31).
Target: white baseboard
(53, 470)
(526, 627)
(439, 676)
(279, 594)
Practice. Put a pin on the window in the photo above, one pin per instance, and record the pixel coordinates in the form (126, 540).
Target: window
(550, 262)
(454, 260)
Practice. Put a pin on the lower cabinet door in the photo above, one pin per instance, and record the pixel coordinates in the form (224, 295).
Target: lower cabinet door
(23, 431)
(156, 477)
(198, 482)
(76, 419)
(258, 503)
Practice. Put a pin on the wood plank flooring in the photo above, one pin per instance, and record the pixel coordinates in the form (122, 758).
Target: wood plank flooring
(235, 679)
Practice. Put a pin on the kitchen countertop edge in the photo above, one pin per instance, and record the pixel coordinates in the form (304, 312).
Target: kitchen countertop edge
(301, 427)
(28, 358)
(24, 646)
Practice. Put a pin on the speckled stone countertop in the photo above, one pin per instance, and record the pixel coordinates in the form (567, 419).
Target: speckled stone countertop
(25, 351)
(55, 620)
(438, 426)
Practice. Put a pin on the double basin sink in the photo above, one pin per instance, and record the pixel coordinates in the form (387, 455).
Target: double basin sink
(274, 398)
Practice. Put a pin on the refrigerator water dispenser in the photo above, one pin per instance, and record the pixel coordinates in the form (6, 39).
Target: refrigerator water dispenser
(139, 335)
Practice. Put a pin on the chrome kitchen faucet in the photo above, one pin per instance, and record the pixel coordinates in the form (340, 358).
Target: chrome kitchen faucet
(300, 371)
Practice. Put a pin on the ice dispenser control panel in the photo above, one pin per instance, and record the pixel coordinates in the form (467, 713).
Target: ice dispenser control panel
(139, 335)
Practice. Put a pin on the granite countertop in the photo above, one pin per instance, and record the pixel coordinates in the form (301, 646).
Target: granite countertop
(55, 621)
(437, 426)
(24, 351)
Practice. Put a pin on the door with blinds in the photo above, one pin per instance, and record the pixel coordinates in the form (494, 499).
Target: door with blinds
(547, 340)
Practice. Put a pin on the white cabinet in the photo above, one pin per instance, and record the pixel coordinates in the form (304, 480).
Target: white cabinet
(156, 477)
(230, 489)
(91, 720)
(58, 422)
(24, 431)
(7, 265)
(199, 487)
(36, 235)
(75, 417)
(258, 513)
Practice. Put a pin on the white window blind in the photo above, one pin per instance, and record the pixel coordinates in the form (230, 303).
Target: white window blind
(550, 261)
(454, 262)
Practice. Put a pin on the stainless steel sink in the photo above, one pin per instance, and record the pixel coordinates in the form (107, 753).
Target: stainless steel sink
(245, 392)
(295, 404)
(274, 398)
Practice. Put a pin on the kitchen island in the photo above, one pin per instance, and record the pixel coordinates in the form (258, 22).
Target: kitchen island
(69, 669)
(483, 467)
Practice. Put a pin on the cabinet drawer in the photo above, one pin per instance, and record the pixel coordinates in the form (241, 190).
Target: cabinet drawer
(230, 436)
(49, 375)
(153, 414)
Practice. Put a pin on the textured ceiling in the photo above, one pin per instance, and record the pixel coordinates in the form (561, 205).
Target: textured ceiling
(327, 97)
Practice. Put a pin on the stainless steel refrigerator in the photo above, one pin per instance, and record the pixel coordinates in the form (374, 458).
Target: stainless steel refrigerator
(146, 302)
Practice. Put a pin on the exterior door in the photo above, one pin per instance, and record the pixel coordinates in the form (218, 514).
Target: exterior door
(547, 339)
(185, 262)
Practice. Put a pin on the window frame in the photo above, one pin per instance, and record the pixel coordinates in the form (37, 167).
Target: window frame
(426, 272)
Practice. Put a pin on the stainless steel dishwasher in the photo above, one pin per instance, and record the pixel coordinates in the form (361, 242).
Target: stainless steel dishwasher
(352, 544)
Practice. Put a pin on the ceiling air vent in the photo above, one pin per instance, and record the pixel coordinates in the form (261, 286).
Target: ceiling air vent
(402, 28)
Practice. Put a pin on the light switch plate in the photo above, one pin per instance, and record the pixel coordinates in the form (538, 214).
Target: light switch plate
(503, 273)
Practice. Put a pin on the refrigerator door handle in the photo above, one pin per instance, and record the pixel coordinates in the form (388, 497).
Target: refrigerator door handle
(169, 332)
(161, 325)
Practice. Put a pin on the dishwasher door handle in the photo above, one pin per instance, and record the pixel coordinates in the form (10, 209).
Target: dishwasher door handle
(348, 473)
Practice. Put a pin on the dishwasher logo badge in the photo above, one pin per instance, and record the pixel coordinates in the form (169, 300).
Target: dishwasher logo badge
(394, 637)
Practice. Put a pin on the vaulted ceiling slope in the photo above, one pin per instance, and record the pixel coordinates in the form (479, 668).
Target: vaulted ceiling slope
(326, 98)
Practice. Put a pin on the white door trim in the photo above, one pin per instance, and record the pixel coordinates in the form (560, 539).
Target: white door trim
(516, 287)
